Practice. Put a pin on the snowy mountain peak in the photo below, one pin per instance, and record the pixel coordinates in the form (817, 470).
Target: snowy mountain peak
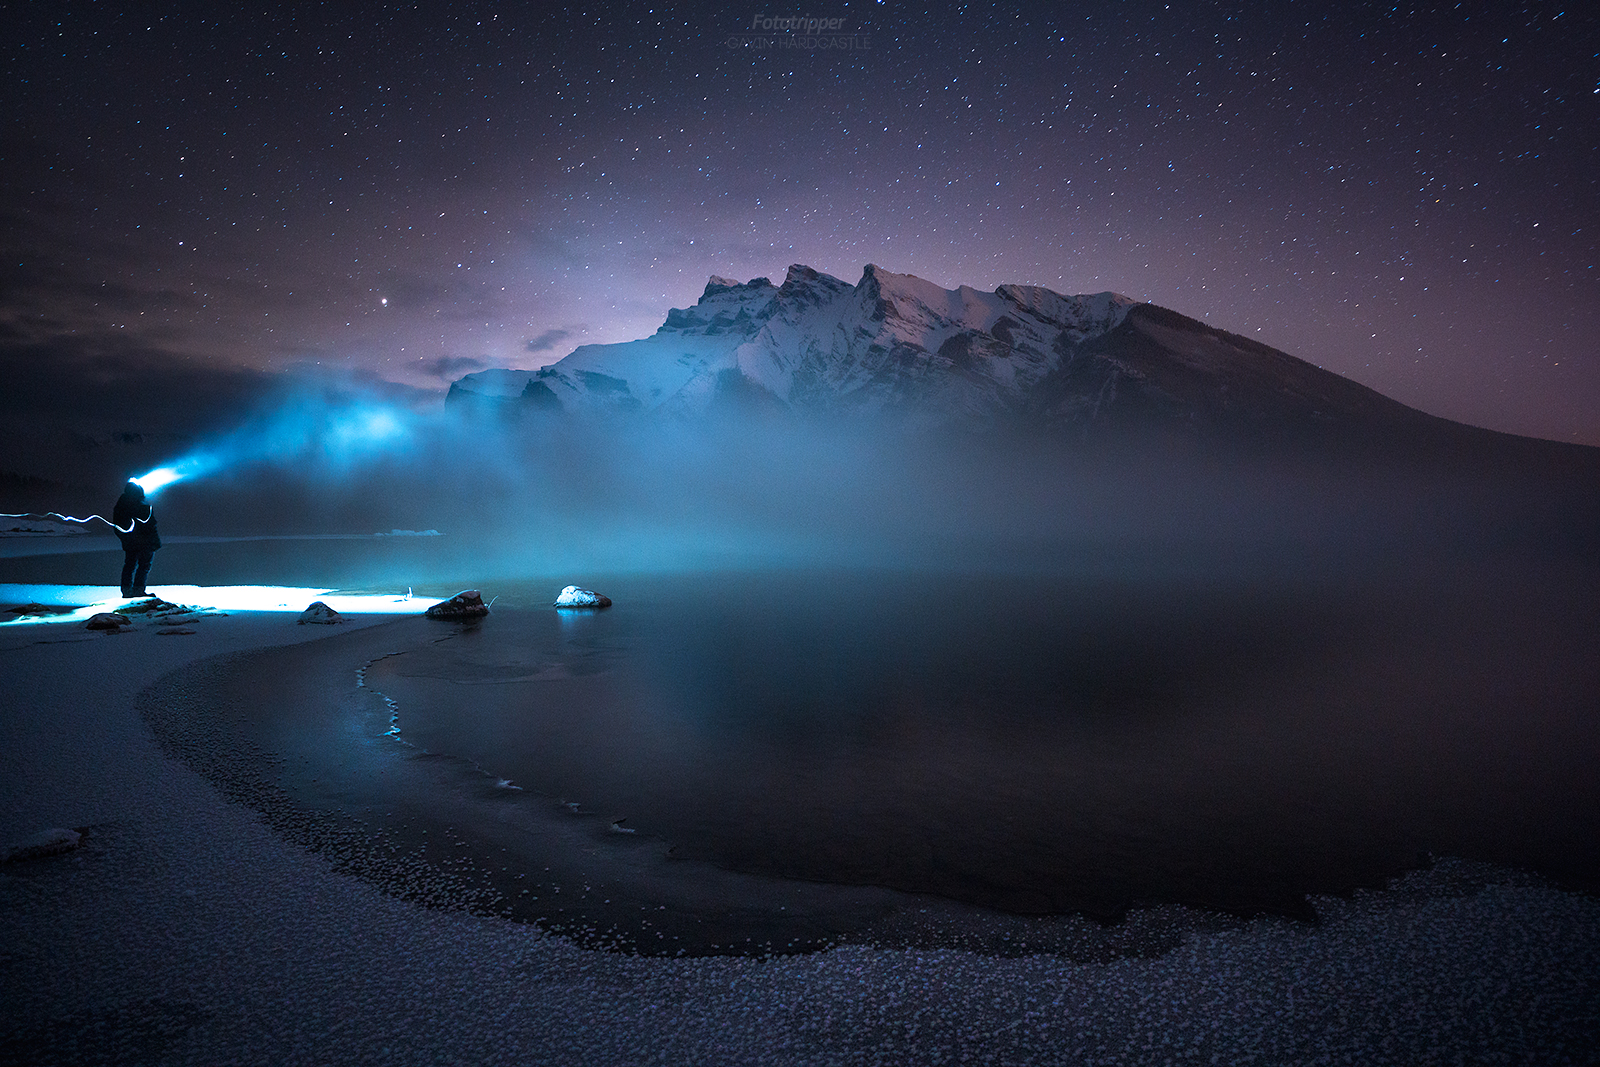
(803, 286)
(899, 344)
(1095, 313)
(799, 274)
(722, 287)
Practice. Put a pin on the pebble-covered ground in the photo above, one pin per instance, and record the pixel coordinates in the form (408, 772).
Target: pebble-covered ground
(184, 930)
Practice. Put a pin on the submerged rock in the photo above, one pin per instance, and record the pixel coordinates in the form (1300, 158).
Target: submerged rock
(467, 604)
(108, 620)
(46, 843)
(573, 597)
(319, 612)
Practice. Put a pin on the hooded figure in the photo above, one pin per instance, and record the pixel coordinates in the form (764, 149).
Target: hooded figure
(136, 527)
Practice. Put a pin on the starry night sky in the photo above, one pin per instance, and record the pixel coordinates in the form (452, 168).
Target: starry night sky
(196, 198)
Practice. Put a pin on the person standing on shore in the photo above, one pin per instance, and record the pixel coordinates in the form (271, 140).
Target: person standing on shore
(135, 521)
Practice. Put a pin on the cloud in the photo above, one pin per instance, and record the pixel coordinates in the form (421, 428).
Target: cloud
(448, 368)
(103, 378)
(334, 378)
(547, 340)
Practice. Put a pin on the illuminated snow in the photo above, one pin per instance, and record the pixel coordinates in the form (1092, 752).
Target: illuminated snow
(574, 597)
(91, 599)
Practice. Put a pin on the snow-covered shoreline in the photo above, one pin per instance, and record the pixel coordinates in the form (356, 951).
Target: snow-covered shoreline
(185, 931)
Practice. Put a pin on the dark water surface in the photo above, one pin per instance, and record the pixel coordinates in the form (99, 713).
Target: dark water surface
(782, 757)
(1044, 745)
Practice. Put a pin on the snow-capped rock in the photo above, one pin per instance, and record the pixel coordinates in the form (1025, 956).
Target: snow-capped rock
(320, 613)
(574, 597)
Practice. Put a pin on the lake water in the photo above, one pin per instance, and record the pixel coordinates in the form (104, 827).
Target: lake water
(791, 757)
(983, 737)
(1028, 745)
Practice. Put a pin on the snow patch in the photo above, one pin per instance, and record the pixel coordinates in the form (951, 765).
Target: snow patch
(574, 597)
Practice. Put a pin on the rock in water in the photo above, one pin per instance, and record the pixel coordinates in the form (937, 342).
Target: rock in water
(49, 843)
(108, 620)
(573, 597)
(320, 613)
(467, 604)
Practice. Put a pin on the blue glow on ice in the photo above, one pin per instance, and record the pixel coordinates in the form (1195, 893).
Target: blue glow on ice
(89, 599)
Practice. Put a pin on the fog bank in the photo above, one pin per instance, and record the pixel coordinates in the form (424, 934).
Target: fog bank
(583, 495)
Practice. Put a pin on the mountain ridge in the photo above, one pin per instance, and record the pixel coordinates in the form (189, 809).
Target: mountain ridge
(897, 346)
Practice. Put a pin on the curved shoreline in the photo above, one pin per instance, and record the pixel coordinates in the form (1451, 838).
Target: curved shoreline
(441, 831)
(603, 889)
(181, 711)
(185, 931)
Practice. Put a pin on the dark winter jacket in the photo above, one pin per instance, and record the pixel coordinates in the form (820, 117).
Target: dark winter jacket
(132, 511)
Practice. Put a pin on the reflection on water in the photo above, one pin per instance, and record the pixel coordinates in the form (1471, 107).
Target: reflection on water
(1046, 744)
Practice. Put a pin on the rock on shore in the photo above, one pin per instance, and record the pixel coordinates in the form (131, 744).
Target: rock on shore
(318, 612)
(467, 604)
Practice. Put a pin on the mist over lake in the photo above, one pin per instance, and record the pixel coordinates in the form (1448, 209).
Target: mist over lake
(1011, 671)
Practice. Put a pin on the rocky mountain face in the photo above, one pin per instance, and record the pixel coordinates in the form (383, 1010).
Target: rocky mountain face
(894, 345)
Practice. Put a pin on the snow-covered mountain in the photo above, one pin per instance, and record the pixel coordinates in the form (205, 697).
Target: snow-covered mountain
(894, 344)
